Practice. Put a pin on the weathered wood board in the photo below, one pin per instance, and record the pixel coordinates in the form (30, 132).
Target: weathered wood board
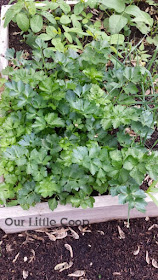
(15, 219)
(4, 39)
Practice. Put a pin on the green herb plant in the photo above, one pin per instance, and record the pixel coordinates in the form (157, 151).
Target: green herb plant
(65, 129)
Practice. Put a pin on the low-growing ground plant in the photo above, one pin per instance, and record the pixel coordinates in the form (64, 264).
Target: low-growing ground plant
(75, 124)
(66, 27)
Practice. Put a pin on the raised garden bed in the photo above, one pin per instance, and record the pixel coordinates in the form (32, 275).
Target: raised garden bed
(105, 207)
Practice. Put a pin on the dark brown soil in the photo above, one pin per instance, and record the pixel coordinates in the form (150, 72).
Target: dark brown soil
(101, 253)
(153, 141)
(4, 2)
(16, 40)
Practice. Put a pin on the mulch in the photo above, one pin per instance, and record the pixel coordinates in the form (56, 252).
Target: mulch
(107, 251)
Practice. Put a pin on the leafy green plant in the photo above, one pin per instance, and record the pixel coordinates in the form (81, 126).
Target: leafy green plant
(152, 190)
(76, 124)
(126, 15)
(66, 27)
(66, 128)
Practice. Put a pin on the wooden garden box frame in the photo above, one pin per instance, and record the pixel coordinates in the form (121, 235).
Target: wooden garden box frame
(105, 207)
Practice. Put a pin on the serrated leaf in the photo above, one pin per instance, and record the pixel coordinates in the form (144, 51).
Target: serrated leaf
(27, 195)
(116, 155)
(140, 205)
(39, 124)
(47, 188)
(53, 120)
(52, 203)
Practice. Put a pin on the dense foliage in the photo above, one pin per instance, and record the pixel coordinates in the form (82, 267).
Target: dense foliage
(74, 125)
(73, 28)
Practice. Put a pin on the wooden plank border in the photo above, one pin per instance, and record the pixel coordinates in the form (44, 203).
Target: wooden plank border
(15, 219)
(4, 39)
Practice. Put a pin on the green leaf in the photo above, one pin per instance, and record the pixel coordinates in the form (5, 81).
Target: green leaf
(144, 29)
(130, 162)
(140, 204)
(68, 36)
(65, 19)
(6, 192)
(39, 124)
(58, 44)
(53, 120)
(146, 118)
(153, 187)
(78, 8)
(153, 40)
(117, 39)
(87, 202)
(53, 5)
(31, 7)
(47, 188)
(29, 140)
(65, 7)
(22, 21)
(12, 12)
(79, 153)
(51, 31)
(44, 37)
(137, 175)
(75, 21)
(27, 195)
(154, 199)
(140, 16)
(53, 203)
(36, 23)
(93, 168)
(117, 5)
(116, 23)
(16, 153)
(49, 16)
(116, 155)
(75, 201)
